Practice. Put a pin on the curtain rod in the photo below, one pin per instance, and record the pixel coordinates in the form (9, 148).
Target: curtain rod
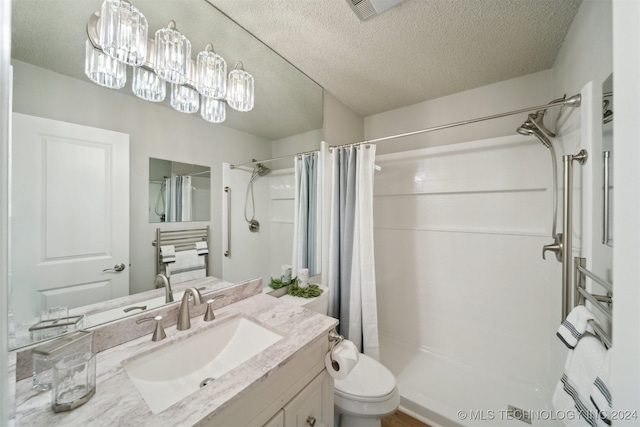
(255, 162)
(573, 101)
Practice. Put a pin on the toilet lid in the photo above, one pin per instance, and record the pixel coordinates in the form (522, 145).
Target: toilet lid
(369, 379)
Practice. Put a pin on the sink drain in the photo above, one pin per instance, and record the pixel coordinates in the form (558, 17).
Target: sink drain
(206, 381)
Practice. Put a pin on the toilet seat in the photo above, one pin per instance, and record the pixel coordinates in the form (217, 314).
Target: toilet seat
(369, 381)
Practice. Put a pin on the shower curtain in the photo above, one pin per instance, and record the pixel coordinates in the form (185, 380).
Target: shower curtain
(306, 241)
(178, 196)
(352, 282)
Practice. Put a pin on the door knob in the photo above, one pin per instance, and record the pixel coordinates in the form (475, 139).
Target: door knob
(117, 267)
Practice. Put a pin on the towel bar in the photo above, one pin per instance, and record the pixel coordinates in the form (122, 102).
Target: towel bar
(181, 240)
(603, 303)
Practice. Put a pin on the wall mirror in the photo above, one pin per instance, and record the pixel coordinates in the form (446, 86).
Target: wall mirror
(178, 192)
(49, 82)
(608, 162)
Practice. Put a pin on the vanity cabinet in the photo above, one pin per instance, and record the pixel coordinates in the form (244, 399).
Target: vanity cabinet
(277, 420)
(297, 394)
(313, 405)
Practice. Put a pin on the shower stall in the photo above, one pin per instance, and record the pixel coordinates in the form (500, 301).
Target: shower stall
(467, 306)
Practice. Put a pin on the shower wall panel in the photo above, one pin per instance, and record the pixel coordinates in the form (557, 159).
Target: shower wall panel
(459, 231)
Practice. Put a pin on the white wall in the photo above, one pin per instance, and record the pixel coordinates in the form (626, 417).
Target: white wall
(626, 252)
(5, 114)
(156, 131)
(340, 124)
(300, 143)
(586, 58)
(531, 90)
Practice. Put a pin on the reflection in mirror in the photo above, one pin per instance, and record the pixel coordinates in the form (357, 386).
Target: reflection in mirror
(607, 156)
(287, 235)
(49, 82)
(178, 192)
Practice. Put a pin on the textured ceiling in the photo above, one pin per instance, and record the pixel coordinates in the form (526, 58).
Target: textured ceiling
(416, 51)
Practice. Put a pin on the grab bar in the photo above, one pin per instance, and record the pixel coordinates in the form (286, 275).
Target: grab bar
(227, 190)
(605, 204)
(567, 225)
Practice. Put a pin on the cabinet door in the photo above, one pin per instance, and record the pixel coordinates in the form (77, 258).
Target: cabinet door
(313, 406)
(277, 420)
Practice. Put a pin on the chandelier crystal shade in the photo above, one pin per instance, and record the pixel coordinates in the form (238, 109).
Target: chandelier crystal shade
(123, 32)
(148, 86)
(172, 60)
(211, 74)
(240, 89)
(184, 98)
(213, 110)
(118, 36)
(102, 69)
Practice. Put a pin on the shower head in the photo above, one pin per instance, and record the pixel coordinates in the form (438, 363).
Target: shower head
(537, 119)
(529, 128)
(262, 170)
(526, 128)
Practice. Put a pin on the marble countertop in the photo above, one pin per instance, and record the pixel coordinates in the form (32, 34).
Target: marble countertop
(118, 402)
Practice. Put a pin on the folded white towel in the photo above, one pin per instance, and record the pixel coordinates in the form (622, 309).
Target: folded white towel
(201, 248)
(576, 324)
(600, 394)
(580, 371)
(167, 253)
(188, 266)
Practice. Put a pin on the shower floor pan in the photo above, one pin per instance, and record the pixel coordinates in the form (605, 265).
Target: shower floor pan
(443, 392)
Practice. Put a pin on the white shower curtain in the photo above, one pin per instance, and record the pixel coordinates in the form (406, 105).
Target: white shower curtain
(178, 196)
(352, 282)
(306, 227)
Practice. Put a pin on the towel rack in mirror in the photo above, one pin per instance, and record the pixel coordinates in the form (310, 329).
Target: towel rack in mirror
(181, 240)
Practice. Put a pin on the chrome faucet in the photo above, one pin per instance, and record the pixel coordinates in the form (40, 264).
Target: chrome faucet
(163, 281)
(184, 321)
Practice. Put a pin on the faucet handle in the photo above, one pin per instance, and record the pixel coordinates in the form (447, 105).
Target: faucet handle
(208, 315)
(158, 333)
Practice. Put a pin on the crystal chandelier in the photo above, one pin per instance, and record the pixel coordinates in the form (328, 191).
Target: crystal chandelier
(118, 36)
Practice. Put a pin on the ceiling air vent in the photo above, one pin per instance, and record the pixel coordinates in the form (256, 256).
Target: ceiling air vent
(367, 9)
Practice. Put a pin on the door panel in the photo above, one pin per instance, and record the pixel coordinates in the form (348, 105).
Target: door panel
(70, 215)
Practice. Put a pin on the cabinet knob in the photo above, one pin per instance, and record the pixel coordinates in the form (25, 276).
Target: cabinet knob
(311, 420)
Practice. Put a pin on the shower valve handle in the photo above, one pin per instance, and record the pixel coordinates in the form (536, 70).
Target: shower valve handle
(556, 247)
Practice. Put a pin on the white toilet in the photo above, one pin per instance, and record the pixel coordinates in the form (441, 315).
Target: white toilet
(369, 392)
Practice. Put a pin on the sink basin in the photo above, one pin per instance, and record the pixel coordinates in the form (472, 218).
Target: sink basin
(173, 372)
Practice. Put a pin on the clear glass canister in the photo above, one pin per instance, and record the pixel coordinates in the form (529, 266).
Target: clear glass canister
(46, 355)
(74, 380)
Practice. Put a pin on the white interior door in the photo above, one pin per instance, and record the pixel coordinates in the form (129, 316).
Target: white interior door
(69, 215)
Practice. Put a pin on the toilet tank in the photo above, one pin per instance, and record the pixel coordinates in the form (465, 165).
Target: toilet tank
(318, 304)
